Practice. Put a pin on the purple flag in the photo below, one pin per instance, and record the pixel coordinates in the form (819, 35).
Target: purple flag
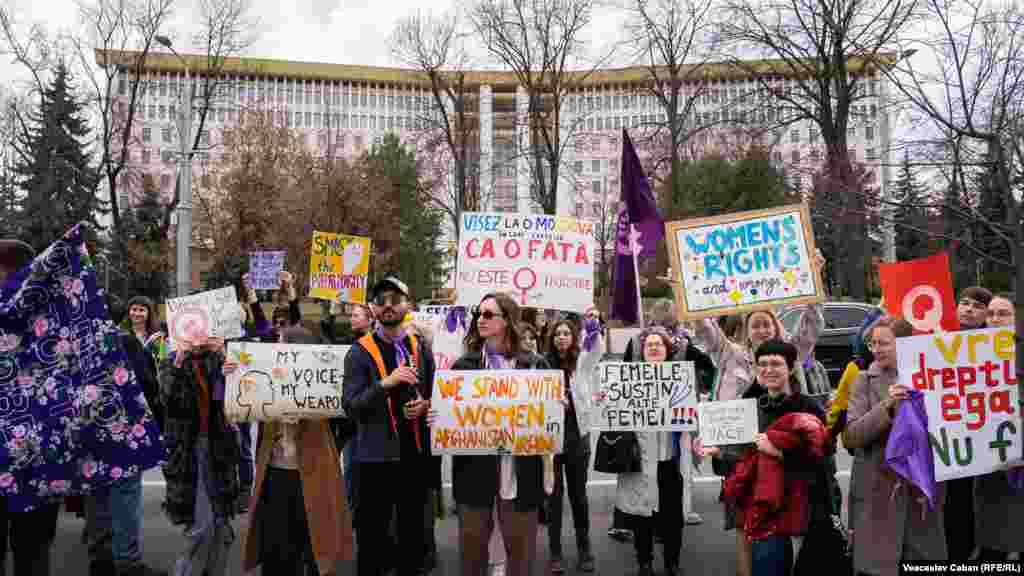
(640, 229)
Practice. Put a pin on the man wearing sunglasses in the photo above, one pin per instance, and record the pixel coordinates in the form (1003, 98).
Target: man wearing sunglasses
(388, 378)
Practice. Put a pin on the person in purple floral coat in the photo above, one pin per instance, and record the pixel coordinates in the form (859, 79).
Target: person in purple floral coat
(29, 534)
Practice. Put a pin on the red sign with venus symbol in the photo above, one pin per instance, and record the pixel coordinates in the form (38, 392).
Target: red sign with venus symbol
(921, 292)
(190, 324)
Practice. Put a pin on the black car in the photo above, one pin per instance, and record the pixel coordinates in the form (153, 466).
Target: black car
(834, 348)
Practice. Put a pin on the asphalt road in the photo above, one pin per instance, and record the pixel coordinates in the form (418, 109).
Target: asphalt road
(707, 548)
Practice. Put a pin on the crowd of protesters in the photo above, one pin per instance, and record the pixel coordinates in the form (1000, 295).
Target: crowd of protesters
(379, 504)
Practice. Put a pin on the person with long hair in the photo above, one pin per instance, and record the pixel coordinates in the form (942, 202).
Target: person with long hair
(298, 519)
(652, 500)
(564, 353)
(513, 484)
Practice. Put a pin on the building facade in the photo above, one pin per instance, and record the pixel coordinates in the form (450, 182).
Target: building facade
(343, 109)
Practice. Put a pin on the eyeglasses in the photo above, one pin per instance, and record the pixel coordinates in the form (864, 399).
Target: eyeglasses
(389, 299)
(489, 315)
(775, 364)
(875, 345)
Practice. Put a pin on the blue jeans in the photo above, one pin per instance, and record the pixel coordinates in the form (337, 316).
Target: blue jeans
(246, 460)
(114, 522)
(772, 556)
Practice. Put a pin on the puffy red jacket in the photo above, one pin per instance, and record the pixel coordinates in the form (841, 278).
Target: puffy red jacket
(768, 501)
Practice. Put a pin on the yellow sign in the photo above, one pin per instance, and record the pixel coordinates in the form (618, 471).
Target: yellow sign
(338, 267)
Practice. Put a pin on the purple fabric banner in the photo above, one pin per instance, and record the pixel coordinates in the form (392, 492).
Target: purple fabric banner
(72, 414)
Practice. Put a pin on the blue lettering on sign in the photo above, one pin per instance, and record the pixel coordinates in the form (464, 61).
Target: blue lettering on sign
(748, 247)
(480, 223)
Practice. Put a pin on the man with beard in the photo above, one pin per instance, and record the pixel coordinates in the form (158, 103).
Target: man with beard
(388, 378)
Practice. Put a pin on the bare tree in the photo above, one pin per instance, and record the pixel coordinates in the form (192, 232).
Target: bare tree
(974, 97)
(540, 42)
(446, 129)
(826, 51)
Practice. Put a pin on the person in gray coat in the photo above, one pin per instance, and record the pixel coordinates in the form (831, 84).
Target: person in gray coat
(893, 522)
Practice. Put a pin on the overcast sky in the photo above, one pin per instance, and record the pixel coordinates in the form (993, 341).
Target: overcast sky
(335, 31)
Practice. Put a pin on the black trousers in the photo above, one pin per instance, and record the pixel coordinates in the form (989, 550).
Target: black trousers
(959, 511)
(30, 536)
(667, 521)
(285, 544)
(574, 466)
(384, 489)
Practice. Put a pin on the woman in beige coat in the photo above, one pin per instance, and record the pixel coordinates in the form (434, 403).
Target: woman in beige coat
(894, 522)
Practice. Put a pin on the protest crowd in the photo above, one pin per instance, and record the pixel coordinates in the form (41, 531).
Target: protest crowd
(333, 449)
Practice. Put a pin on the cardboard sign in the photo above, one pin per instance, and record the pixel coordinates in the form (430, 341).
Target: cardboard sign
(970, 385)
(921, 292)
(212, 314)
(338, 267)
(543, 261)
(644, 397)
(746, 261)
(284, 382)
(728, 422)
(514, 412)
(264, 268)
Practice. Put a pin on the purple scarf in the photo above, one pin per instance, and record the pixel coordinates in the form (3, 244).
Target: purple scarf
(908, 452)
(401, 352)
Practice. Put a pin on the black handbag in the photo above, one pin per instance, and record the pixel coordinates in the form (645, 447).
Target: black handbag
(617, 453)
(827, 542)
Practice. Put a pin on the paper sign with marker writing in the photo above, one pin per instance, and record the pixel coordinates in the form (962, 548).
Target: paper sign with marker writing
(284, 382)
(970, 386)
(744, 261)
(212, 314)
(644, 397)
(543, 261)
(264, 268)
(338, 267)
(728, 422)
(512, 412)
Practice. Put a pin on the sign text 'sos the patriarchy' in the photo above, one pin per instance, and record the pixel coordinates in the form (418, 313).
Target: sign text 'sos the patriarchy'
(744, 261)
(645, 397)
(544, 261)
(970, 388)
(516, 412)
(284, 382)
(338, 267)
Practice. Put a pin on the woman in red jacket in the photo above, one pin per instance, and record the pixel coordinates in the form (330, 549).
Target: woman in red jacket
(783, 412)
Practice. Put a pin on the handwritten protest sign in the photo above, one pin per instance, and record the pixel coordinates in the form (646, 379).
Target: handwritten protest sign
(338, 267)
(264, 268)
(728, 422)
(644, 397)
(212, 314)
(284, 382)
(515, 412)
(970, 387)
(744, 261)
(544, 261)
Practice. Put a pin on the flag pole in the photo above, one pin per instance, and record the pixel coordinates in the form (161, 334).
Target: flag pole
(635, 249)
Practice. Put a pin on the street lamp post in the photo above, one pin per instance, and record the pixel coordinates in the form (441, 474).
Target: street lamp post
(183, 260)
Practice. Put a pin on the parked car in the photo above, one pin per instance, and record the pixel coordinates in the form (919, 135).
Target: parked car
(835, 348)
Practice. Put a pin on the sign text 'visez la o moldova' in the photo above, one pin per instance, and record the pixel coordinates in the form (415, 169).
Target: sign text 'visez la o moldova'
(970, 385)
(511, 412)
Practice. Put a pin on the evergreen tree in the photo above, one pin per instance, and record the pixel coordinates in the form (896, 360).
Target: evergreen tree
(147, 270)
(957, 232)
(57, 178)
(910, 216)
(990, 235)
(420, 256)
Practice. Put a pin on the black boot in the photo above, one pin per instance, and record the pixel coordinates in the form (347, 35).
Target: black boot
(645, 570)
(102, 568)
(585, 558)
(139, 569)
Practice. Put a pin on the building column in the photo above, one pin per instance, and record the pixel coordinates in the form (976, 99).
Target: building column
(486, 147)
(525, 179)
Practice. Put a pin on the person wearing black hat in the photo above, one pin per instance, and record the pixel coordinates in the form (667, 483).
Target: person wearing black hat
(388, 379)
(30, 534)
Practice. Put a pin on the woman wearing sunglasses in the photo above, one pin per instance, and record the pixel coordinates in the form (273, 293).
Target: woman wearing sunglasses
(512, 484)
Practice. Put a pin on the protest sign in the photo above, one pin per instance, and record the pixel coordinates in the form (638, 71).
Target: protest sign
(644, 397)
(515, 412)
(543, 261)
(744, 261)
(264, 268)
(211, 314)
(284, 382)
(72, 412)
(727, 422)
(921, 292)
(430, 315)
(338, 267)
(970, 387)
